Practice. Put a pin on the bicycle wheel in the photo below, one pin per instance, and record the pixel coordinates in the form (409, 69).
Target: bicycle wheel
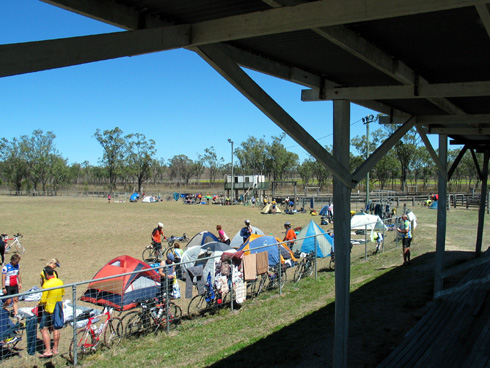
(149, 255)
(174, 315)
(261, 285)
(197, 307)
(309, 268)
(137, 326)
(298, 273)
(113, 333)
(83, 344)
(20, 248)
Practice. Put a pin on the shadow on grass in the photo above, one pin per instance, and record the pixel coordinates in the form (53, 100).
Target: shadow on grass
(381, 313)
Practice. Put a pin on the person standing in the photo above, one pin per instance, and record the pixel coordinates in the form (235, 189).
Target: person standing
(52, 312)
(167, 276)
(246, 231)
(290, 235)
(222, 235)
(3, 243)
(12, 283)
(157, 236)
(54, 264)
(109, 198)
(406, 231)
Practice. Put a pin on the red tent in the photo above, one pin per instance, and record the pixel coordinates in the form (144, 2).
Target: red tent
(121, 292)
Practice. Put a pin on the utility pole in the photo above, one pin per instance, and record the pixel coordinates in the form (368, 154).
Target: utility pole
(368, 119)
(232, 177)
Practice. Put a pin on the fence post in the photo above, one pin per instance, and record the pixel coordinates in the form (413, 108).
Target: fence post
(316, 252)
(74, 337)
(167, 297)
(280, 267)
(230, 286)
(365, 243)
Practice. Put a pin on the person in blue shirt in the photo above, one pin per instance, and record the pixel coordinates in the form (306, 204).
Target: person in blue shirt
(406, 231)
(246, 231)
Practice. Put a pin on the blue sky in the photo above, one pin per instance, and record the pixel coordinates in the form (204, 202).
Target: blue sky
(173, 97)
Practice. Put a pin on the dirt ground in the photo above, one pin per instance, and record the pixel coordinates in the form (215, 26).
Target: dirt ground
(85, 233)
(381, 313)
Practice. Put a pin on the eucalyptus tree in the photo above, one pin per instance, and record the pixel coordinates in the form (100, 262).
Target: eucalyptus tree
(39, 150)
(252, 155)
(114, 148)
(139, 157)
(305, 170)
(404, 151)
(14, 164)
(60, 172)
(279, 159)
(181, 168)
(212, 163)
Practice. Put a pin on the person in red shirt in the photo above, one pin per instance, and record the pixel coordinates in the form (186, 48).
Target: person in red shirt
(157, 236)
(290, 235)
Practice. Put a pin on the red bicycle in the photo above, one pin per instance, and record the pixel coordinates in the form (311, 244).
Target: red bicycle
(88, 339)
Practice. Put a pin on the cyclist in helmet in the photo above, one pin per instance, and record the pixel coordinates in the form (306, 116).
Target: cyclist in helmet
(246, 231)
(157, 236)
(290, 235)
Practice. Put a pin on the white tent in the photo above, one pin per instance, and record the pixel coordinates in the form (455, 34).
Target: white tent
(361, 221)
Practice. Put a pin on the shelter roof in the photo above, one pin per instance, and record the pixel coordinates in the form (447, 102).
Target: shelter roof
(424, 59)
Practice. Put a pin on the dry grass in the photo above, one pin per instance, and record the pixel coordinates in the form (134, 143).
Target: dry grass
(85, 233)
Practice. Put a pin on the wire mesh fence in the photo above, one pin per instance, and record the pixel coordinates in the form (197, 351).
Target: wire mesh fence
(129, 298)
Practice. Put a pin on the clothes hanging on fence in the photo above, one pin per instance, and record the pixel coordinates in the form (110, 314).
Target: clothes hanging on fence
(31, 332)
(194, 275)
(250, 267)
(262, 262)
(240, 291)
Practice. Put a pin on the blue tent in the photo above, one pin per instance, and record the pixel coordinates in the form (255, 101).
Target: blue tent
(261, 243)
(202, 238)
(134, 197)
(433, 206)
(306, 241)
(324, 210)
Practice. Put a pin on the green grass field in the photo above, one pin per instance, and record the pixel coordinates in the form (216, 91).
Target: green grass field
(293, 329)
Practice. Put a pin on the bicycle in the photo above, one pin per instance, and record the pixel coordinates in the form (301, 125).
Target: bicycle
(152, 253)
(210, 302)
(305, 267)
(332, 261)
(88, 339)
(152, 315)
(269, 280)
(172, 240)
(15, 244)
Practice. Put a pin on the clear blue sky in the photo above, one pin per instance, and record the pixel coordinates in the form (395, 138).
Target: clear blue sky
(173, 97)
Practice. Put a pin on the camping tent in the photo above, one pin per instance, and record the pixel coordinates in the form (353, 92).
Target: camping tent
(149, 199)
(237, 240)
(324, 210)
(134, 197)
(268, 209)
(433, 205)
(212, 249)
(202, 238)
(260, 243)
(306, 241)
(121, 292)
(363, 220)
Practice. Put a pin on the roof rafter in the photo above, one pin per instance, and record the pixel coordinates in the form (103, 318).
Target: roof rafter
(375, 57)
(427, 91)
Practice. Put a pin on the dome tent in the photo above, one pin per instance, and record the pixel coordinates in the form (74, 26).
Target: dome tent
(306, 240)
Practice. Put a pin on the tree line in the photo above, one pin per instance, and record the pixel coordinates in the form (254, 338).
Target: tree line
(32, 162)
